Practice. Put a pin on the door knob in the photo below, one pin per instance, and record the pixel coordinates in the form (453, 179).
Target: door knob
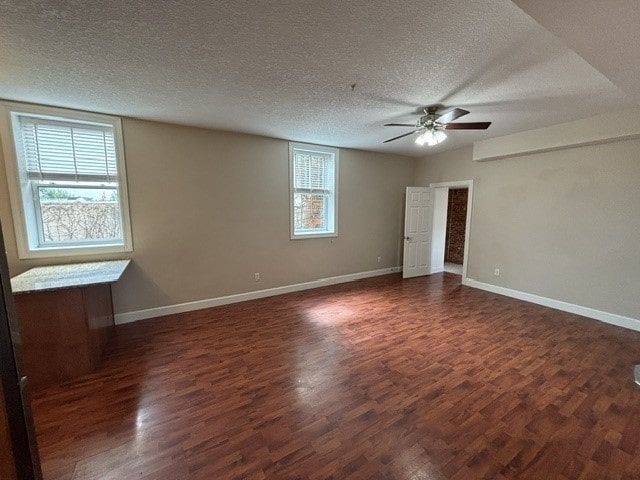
(407, 238)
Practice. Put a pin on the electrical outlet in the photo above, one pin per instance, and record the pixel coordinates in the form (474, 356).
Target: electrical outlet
(496, 272)
(256, 276)
(379, 259)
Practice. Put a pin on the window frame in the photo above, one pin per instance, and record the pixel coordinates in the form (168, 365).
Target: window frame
(23, 205)
(333, 212)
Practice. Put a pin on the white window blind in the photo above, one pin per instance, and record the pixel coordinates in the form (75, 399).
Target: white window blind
(313, 190)
(56, 150)
(311, 172)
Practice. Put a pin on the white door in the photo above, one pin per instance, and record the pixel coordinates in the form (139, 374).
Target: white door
(418, 219)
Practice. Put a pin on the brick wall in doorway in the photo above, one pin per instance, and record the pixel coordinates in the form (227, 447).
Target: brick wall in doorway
(456, 223)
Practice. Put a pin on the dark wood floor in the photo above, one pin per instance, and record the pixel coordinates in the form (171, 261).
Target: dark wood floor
(381, 378)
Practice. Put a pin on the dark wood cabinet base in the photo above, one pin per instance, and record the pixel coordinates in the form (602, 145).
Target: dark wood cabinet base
(64, 332)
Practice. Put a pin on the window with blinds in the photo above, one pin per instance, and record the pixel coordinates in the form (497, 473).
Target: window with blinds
(313, 171)
(71, 184)
(56, 150)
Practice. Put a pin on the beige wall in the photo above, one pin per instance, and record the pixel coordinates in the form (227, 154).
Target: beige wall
(563, 225)
(210, 208)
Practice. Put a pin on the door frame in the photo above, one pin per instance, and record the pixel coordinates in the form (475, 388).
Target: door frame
(467, 231)
(15, 396)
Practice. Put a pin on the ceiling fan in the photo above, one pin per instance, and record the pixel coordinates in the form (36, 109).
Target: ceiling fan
(432, 125)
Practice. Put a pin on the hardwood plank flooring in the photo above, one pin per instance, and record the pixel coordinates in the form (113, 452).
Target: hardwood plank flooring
(382, 378)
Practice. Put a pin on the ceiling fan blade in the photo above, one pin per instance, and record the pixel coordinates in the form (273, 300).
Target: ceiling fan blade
(399, 124)
(468, 126)
(451, 115)
(400, 136)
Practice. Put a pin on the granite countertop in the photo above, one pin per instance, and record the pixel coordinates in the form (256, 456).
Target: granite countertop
(56, 277)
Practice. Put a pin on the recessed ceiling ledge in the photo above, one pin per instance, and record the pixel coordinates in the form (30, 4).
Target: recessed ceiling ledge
(605, 128)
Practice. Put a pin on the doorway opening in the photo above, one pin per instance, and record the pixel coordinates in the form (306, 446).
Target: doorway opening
(451, 225)
(455, 231)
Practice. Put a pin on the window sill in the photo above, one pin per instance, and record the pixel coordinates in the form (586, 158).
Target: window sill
(74, 251)
(303, 236)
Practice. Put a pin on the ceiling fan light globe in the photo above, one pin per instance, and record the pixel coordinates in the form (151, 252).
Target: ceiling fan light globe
(420, 140)
(428, 136)
(439, 136)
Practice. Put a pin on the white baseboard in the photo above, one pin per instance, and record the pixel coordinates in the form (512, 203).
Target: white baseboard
(128, 317)
(612, 318)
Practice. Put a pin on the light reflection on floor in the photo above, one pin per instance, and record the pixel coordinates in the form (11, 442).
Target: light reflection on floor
(317, 359)
(316, 368)
(329, 315)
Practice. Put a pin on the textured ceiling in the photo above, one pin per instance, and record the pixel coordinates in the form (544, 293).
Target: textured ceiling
(284, 68)
(605, 33)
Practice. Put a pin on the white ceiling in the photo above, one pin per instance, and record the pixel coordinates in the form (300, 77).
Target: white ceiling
(284, 68)
(606, 33)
